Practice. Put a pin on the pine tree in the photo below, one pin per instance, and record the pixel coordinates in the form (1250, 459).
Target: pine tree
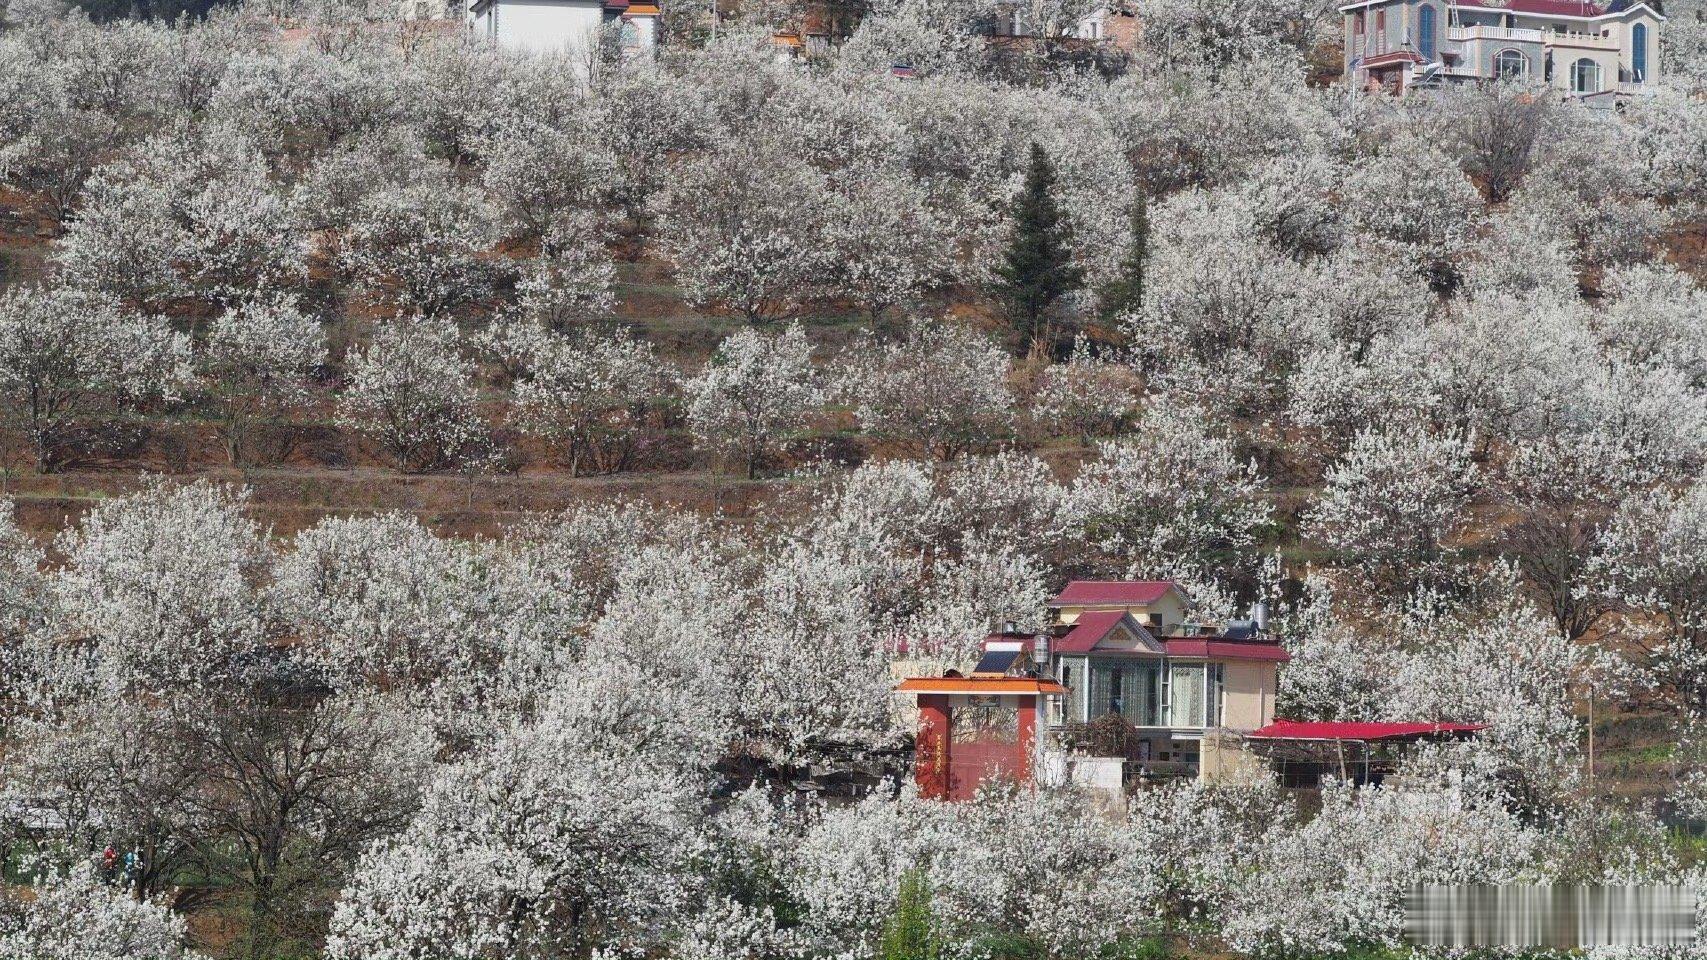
(1037, 269)
(1125, 294)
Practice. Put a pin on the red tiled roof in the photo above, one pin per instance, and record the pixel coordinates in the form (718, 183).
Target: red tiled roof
(1081, 592)
(1321, 730)
(1089, 631)
(1213, 649)
(1542, 8)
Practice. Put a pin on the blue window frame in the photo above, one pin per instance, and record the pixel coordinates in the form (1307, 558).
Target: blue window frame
(1425, 33)
(1639, 52)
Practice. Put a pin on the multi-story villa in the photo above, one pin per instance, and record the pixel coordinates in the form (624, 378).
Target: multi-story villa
(1578, 47)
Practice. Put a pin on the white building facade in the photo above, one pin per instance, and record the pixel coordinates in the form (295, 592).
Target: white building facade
(1581, 49)
(565, 27)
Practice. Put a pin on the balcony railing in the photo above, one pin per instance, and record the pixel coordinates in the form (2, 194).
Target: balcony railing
(1507, 34)
(1592, 41)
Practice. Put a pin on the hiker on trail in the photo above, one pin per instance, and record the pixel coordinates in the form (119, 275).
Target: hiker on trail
(109, 863)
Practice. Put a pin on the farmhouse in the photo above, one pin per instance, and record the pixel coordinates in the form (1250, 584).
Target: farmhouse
(1580, 48)
(1123, 685)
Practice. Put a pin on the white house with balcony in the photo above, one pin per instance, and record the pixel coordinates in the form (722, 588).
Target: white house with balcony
(1580, 48)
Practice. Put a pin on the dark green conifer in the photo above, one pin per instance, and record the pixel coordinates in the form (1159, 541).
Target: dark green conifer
(1037, 269)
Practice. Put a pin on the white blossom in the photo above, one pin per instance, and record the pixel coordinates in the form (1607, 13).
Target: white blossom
(161, 585)
(755, 390)
(413, 392)
(63, 352)
(1393, 506)
(74, 916)
(256, 364)
(588, 391)
(1172, 495)
(1653, 563)
(942, 390)
(1090, 395)
(423, 247)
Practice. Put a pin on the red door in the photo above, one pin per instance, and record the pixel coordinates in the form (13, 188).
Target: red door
(989, 741)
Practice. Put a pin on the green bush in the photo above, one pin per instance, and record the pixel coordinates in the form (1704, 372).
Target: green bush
(910, 933)
(1149, 948)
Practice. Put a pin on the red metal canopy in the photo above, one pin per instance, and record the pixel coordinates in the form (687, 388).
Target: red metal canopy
(1327, 730)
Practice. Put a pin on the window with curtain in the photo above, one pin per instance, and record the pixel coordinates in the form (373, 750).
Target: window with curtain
(1426, 34)
(1131, 688)
(1639, 52)
(1140, 693)
(1185, 695)
(1099, 692)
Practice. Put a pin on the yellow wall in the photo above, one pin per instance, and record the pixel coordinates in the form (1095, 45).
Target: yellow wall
(1247, 694)
(1170, 606)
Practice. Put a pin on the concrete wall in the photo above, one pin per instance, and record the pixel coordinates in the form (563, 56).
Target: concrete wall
(1105, 774)
(1481, 54)
(1389, 20)
(1224, 757)
(646, 31)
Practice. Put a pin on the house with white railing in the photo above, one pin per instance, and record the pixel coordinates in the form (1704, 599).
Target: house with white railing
(1577, 47)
